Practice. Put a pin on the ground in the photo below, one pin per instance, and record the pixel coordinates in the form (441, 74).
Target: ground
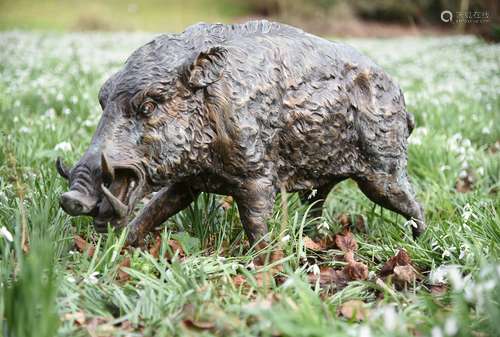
(58, 277)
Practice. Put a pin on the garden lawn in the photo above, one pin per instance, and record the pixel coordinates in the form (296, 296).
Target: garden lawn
(59, 278)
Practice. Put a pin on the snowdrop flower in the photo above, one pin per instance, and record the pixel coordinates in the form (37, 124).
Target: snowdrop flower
(466, 212)
(364, 331)
(71, 279)
(251, 266)
(286, 238)
(92, 278)
(74, 99)
(288, 283)
(63, 146)
(6, 234)
(312, 194)
(66, 111)
(455, 277)
(451, 326)
(436, 332)
(390, 318)
(51, 113)
(24, 129)
(314, 269)
(59, 96)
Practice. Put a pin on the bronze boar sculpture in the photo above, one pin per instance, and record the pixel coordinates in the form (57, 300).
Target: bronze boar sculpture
(244, 110)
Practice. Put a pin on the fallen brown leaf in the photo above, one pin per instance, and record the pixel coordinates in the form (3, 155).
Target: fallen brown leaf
(227, 202)
(155, 248)
(464, 185)
(353, 309)
(199, 325)
(439, 289)
(356, 270)
(346, 242)
(327, 243)
(78, 317)
(310, 244)
(360, 223)
(238, 280)
(329, 276)
(122, 275)
(83, 246)
(344, 220)
(400, 259)
(175, 246)
(405, 274)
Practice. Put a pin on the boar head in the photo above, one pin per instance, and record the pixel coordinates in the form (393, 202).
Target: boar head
(155, 129)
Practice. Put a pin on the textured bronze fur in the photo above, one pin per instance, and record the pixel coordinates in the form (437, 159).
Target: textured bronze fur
(243, 110)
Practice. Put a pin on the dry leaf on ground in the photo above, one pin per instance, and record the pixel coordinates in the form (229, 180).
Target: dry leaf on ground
(176, 247)
(465, 184)
(78, 317)
(122, 275)
(83, 246)
(356, 270)
(353, 309)
(227, 202)
(344, 219)
(199, 325)
(405, 274)
(400, 259)
(310, 244)
(329, 276)
(155, 248)
(346, 242)
(439, 289)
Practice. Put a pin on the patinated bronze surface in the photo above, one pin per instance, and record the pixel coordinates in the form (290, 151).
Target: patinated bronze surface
(241, 110)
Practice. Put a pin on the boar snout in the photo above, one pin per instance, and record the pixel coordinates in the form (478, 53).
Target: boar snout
(77, 203)
(81, 199)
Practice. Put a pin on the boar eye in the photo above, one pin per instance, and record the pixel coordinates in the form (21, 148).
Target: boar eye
(147, 108)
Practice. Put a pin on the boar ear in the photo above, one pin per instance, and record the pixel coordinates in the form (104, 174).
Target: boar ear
(207, 68)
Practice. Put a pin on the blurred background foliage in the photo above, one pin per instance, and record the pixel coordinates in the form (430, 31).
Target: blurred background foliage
(326, 17)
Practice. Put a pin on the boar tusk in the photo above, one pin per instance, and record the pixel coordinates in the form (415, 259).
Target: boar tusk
(108, 172)
(62, 169)
(119, 207)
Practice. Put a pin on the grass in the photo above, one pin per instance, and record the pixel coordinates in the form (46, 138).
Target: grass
(48, 107)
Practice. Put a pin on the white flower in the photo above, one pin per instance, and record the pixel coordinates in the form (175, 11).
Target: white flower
(466, 212)
(66, 111)
(24, 129)
(364, 331)
(51, 113)
(74, 99)
(92, 278)
(286, 238)
(71, 279)
(451, 326)
(455, 277)
(63, 146)
(314, 269)
(59, 96)
(6, 234)
(288, 283)
(436, 332)
(390, 318)
(312, 194)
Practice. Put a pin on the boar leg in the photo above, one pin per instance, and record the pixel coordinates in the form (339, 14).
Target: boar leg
(165, 203)
(394, 193)
(255, 202)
